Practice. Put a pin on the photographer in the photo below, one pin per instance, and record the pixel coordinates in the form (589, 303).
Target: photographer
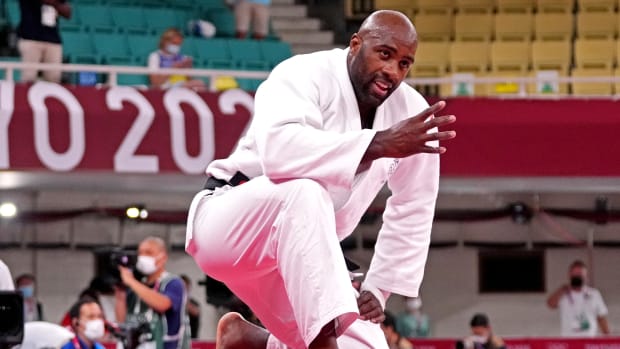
(159, 298)
(87, 323)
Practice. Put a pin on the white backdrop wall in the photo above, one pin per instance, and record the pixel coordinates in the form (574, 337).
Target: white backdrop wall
(449, 291)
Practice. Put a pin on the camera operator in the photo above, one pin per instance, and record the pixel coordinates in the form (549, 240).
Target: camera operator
(87, 323)
(159, 298)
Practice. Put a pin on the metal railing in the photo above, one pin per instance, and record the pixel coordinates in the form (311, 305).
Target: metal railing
(112, 71)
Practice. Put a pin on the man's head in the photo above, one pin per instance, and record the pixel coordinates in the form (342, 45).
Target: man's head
(480, 325)
(87, 319)
(380, 55)
(152, 256)
(25, 284)
(171, 41)
(577, 274)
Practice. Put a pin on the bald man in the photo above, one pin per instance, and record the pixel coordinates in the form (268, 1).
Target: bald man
(160, 297)
(329, 130)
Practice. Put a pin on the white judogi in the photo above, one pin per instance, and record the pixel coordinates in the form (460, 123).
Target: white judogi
(275, 239)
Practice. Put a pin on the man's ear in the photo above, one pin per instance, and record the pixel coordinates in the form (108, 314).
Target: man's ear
(355, 43)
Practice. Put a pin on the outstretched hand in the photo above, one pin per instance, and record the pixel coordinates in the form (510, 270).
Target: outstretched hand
(410, 136)
(370, 307)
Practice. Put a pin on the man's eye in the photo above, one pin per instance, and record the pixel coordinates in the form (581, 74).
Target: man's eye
(385, 53)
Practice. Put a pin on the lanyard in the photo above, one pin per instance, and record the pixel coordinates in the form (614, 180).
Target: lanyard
(76, 342)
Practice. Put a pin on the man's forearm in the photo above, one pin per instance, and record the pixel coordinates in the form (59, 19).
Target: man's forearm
(151, 297)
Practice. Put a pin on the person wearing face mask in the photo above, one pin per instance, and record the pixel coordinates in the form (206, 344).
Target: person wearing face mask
(87, 323)
(159, 298)
(33, 309)
(169, 56)
(481, 335)
(583, 312)
(412, 323)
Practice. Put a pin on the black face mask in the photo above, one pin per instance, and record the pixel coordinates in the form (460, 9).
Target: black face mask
(576, 281)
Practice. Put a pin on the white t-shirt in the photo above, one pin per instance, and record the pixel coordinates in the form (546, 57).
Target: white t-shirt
(579, 310)
(6, 280)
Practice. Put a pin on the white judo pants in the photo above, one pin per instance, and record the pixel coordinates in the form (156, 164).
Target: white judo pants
(275, 246)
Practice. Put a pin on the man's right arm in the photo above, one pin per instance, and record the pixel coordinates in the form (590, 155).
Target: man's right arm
(554, 298)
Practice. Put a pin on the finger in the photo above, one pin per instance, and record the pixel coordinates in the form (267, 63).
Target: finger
(439, 122)
(438, 136)
(433, 109)
(432, 150)
(379, 319)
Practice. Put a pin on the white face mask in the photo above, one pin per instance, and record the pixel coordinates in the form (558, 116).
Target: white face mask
(173, 49)
(146, 265)
(94, 329)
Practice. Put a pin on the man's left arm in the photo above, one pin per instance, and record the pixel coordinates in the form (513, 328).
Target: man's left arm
(153, 298)
(403, 241)
(601, 314)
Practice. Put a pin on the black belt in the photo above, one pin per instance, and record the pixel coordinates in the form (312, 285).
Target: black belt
(238, 179)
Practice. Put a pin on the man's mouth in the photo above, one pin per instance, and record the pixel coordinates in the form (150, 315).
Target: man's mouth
(381, 88)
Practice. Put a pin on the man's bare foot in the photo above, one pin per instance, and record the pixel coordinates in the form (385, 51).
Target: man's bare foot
(234, 332)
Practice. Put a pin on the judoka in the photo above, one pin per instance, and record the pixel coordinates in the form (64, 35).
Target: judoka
(329, 130)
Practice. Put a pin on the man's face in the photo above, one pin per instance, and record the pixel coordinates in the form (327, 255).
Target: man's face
(88, 312)
(481, 331)
(378, 64)
(578, 276)
(152, 249)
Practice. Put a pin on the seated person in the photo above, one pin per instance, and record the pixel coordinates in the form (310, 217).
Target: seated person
(481, 335)
(394, 339)
(169, 56)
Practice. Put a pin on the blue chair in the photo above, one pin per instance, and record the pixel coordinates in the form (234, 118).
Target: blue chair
(213, 53)
(78, 47)
(275, 52)
(95, 18)
(246, 55)
(140, 46)
(112, 48)
(129, 20)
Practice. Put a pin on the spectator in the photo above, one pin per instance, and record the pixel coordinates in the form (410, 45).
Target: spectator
(169, 56)
(255, 11)
(158, 298)
(6, 280)
(87, 323)
(582, 309)
(86, 293)
(193, 308)
(481, 335)
(33, 309)
(39, 39)
(394, 339)
(412, 322)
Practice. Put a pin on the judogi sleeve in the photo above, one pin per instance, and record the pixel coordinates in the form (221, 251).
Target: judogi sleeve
(290, 132)
(403, 241)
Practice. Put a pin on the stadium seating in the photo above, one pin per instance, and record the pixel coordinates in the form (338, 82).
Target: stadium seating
(592, 88)
(551, 55)
(553, 26)
(469, 57)
(595, 54)
(445, 7)
(432, 60)
(513, 26)
(597, 5)
(597, 25)
(434, 27)
(475, 6)
(405, 6)
(555, 6)
(510, 57)
(473, 27)
(274, 52)
(514, 6)
(112, 49)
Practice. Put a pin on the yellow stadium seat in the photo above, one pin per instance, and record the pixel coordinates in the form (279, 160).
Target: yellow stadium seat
(597, 25)
(514, 26)
(553, 26)
(551, 6)
(595, 54)
(475, 6)
(436, 7)
(431, 60)
(473, 27)
(404, 6)
(510, 57)
(597, 5)
(514, 6)
(469, 57)
(617, 84)
(434, 27)
(592, 88)
(551, 55)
